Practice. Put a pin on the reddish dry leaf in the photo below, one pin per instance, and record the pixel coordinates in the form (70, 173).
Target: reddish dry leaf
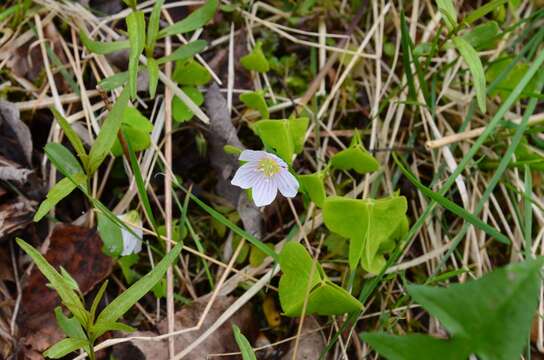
(78, 250)
(15, 214)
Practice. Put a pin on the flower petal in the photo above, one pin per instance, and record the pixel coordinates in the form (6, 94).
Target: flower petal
(264, 192)
(287, 183)
(277, 159)
(252, 155)
(247, 175)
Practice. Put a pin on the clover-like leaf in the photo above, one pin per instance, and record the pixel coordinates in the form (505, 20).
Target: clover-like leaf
(190, 72)
(324, 297)
(490, 317)
(285, 137)
(256, 60)
(180, 111)
(255, 100)
(355, 158)
(369, 224)
(312, 185)
(136, 128)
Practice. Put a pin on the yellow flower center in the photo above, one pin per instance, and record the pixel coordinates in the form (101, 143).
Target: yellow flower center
(269, 167)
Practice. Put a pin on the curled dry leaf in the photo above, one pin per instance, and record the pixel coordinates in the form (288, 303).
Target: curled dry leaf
(222, 133)
(15, 215)
(221, 341)
(78, 250)
(13, 129)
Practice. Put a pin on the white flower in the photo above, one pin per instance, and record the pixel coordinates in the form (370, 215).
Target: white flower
(131, 244)
(265, 174)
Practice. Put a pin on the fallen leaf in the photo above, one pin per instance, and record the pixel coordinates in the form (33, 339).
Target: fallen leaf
(79, 251)
(222, 133)
(12, 127)
(15, 214)
(221, 341)
(311, 341)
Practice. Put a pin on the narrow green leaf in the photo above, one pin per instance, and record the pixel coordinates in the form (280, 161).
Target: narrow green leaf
(406, 55)
(447, 9)
(108, 132)
(153, 71)
(60, 156)
(64, 347)
(102, 48)
(98, 298)
(58, 192)
(120, 305)
(475, 66)
(103, 327)
(113, 82)
(136, 36)
(72, 137)
(195, 20)
(153, 28)
(66, 294)
(184, 52)
(243, 344)
(483, 10)
(70, 326)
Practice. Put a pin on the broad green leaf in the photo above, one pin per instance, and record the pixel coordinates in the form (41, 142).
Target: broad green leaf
(255, 100)
(64, 347)
(476, 69)
(108, 132)
(59, 155)
(324, 297)
(490, 317)
(74, 139)
(190, 72)
(447, 9)
(355, 158)
(483, 10)
(58, 192)
(153, 28)
(195, 20)
(184, 52)
(312, 185)
(102, 48)
(68, 296)
(509, 82)
(243, 344)
(285, 137)
(111, 236)
(180, 111)
(120, 305)
(367, 223)
(113, 82)
(70, 326)
(136, 36)
(153, 71)
(256, 60)
(136, 128)
(484, 36)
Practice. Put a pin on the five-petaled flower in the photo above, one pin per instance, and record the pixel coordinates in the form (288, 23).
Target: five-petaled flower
(265, 174)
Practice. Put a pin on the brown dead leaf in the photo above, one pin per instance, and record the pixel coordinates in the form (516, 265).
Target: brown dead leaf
(222, 341)
(78, 250)
(14, 134)
(15, 215)
(311, 341)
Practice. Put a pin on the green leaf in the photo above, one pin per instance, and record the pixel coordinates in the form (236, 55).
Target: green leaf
(70, 326)
(285, 137)
(367, 223)
(153, 28)
(484, 36)
(102, 48)
(184, 52)
(312, 185)
(447, 9)
(136, 128)
(195, 20)
(72, 137)
(507, 84)
(136, 36)
(60, 156)
(256, 60)
(475, 66)
(97, 298)
(68, 296)
(120, 305)
(113, 82)
(190, 72)
(483, 10)
(255, 100)
(153, 71)
(64, 347)
(111, 235)
(58, 192)
(490, 317)
(104, 327)
(325, 297)
(243, 344)
(355, 158)
(180, 111)
(108, 132)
